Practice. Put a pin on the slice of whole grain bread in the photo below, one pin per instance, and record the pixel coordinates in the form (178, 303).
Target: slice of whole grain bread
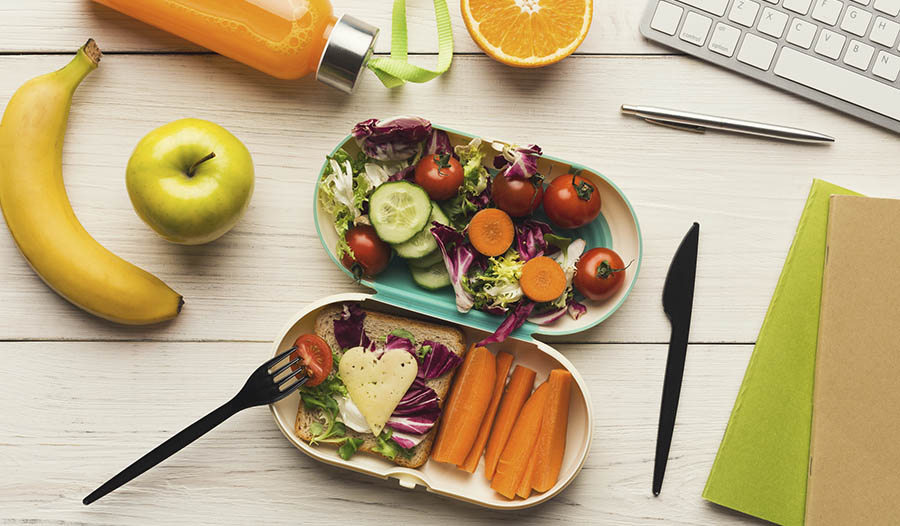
(377, 327)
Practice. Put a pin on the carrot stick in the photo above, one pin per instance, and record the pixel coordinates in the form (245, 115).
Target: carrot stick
(517, 392)
(524, 490)
(551, 442)
(491, 232)
(466, 406)
(514, 459)
(542, 279)
(504, 361)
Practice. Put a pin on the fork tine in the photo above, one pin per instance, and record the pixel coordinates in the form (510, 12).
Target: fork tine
(285, 368)
(290, 389)
(271, 363)
(301, 373)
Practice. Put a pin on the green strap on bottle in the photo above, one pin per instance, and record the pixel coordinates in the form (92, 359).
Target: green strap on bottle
(395, 70)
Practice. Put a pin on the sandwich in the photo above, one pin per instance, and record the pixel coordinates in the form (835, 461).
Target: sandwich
(387, 386)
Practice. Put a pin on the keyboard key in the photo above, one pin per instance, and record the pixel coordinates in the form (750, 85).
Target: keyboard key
(863, 2)
(827, 11)
(800, 7)
(724, 39)
(801, 33)
(716, 7)
(772, 22)
(757, 51)
(744, 12)
(856, 21)
(830, 44)
(885, 32)
(887, 66)
(772, 1)
(838, 82)
(695, 29)
(666, 18)
(859, 55)
(891, 7)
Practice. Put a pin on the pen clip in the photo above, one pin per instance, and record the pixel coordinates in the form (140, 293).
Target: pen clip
(677, 125)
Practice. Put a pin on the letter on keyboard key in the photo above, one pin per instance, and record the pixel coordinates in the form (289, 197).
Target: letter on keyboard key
(666, 18)
(886, 66)
(859, 55)
(891, 7)
(757, 51)
(716, 7)
(827, 11)
(744, 12)
(830, 44)
(695, 29)
(801, 7)
(724, 39)
(772, 22)
(801, 33)
(885, 32)
(838, 82)
(856, 21)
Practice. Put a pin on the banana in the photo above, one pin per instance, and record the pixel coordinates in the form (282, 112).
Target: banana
(40, 217)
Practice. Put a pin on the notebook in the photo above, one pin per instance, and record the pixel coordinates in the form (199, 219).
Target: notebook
(761, 465)
(854, 468)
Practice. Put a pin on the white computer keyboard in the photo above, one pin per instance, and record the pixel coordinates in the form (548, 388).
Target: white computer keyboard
(841, 53)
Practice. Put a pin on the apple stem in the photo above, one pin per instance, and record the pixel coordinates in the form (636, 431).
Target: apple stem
(198, 163)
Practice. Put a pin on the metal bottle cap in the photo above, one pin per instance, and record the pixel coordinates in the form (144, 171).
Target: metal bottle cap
(346, 53)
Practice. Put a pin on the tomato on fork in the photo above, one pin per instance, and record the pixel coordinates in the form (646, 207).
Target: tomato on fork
(315, 356)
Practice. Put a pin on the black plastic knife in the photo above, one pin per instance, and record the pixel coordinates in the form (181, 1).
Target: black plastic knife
(678, 301)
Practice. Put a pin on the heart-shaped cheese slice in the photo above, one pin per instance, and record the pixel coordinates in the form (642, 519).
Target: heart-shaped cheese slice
(376, 385)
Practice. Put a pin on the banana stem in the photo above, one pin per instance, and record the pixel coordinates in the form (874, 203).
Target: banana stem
(85, 60)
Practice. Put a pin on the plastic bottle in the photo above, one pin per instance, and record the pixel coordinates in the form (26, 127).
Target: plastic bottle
(287, 39)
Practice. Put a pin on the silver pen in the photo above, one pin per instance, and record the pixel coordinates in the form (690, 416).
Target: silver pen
(698, 122)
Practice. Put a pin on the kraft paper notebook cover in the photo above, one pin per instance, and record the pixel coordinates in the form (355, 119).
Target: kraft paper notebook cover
(760, 468)
(854, 469)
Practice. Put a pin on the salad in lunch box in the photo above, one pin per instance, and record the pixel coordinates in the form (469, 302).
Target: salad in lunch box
(463, 218)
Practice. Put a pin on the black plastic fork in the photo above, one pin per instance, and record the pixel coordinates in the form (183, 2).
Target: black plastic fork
(263, 387)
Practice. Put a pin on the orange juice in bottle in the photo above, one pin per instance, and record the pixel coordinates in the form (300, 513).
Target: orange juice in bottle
(287, 39)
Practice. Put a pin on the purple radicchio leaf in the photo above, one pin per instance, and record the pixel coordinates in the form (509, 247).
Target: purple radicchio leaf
(513, 321)
(348, 327)
(548, 317)
(458, 256)
(395, 139)
(575, 309)
(418, 410)
(404, 174)
(530, 241)
(438, 143)
(521, 161)
(438, 361)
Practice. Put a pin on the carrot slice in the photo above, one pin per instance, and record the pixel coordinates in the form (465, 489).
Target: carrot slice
(504, 361)
(542, 279)
(514, 459)
(466, 406)
(520, 385)
(551, 442)
(491, 231)
(524, 490)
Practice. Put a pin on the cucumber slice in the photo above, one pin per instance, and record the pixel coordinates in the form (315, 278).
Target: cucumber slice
(427, 260)
(399, 210)
(432, 278)
(422, 243)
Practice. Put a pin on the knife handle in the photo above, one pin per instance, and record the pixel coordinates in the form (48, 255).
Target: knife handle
(670, 395)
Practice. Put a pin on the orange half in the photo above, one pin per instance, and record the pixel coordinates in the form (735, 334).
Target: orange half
(528, 33)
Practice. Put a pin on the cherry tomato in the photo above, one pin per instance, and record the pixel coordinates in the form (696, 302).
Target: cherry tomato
(440, 176)
(599, 274)
(315, 356)
(517, 197)
(571, 201)
(370, 254)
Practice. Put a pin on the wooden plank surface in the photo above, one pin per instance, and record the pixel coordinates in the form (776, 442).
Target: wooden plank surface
(746, 193)
(60, 25)
(69, 424)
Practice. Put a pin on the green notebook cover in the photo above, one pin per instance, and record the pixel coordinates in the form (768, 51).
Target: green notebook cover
(762, 462)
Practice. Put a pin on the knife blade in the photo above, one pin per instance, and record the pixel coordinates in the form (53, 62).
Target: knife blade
(678, 302)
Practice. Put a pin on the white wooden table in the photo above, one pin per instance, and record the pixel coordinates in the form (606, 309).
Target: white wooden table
(81, 398)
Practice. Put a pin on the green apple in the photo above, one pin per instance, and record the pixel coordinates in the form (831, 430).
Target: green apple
(190, 180)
